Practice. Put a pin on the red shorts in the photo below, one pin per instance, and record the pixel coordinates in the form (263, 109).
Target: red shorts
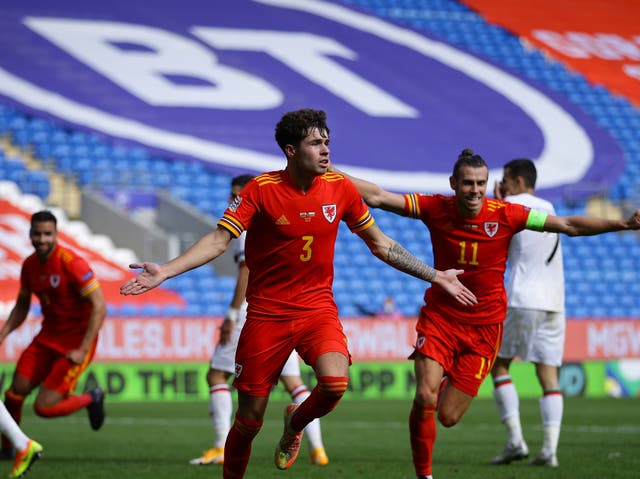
(40, 364)
(465, 351)
(264, 347)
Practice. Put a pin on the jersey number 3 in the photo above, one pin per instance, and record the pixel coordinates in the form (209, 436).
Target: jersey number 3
(306, 255)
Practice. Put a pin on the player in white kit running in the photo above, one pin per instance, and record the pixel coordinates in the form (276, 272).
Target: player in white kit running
(534, 329)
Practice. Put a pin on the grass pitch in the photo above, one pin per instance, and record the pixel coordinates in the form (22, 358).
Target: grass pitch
(364, 439)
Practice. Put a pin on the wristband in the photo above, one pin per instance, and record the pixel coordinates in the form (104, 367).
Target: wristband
(233, 314)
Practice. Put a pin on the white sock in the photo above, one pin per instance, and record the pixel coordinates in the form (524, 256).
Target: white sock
(508, 403)
(10, 428)
(551, 408)
(221, 408)
(312, 431)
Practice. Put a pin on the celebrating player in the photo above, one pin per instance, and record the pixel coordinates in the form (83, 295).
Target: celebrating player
(456, 343)
(223, 363)
(73, 309)
(291, 217)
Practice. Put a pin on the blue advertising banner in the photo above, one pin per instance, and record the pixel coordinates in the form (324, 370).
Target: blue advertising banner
(208, 80)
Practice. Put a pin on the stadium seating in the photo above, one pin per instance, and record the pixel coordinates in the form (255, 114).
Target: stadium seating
(602, 273)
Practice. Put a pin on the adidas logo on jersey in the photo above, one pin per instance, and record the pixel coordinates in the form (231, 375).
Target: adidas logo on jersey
(282, 221)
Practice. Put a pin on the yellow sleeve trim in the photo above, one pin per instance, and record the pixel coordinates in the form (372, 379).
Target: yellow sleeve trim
(411, 206)
(231, 224)
(89, 287)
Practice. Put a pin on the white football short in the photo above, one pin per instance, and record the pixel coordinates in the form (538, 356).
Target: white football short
(533, 335)
(224, 356)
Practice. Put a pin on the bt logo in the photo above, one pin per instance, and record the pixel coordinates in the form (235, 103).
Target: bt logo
(209, 83)
(143, 59)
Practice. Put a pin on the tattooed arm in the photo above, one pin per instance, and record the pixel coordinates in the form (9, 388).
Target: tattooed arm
(397, 256)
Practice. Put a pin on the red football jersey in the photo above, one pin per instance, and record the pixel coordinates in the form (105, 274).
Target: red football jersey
(60, 284)
(478, 245)
(291, 238)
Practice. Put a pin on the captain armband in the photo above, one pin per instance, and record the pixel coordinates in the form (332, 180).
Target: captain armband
(536, 220)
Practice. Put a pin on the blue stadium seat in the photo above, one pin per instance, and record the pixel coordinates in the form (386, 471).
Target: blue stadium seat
(215, 309)
(150, 310)
(348, 310)
(172, 310)
(581, 312)
(195, 309)
(128, 309)
(112, 310)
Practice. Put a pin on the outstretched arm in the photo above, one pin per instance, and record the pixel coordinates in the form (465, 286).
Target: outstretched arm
(206, 249)
(588, 226)
(375, 196)
(397, 256)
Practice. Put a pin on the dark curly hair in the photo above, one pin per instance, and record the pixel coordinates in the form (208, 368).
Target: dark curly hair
(294, 126)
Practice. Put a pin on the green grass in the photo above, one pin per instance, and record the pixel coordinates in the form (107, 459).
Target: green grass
(364, 439)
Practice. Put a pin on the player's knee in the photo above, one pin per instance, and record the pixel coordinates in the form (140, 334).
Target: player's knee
(216, 377)
(448, 418)
(446, 421)
(42, 410)
(426, 396)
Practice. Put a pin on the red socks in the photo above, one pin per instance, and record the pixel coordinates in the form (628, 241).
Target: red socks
(322, 400)
(66, 406)
(237, 448)
(422, 427)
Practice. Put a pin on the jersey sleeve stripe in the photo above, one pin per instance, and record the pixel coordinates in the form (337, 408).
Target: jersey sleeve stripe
(363, 223)
(231, 224)
(411, 206)
(89, 287)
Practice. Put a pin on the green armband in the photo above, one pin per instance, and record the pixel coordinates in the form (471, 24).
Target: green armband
(536, 220)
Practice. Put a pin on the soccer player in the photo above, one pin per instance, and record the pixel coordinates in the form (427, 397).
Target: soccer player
(73, 309)
(223, 363)
(457, 343)
(291, 217)
(534, 328)
(28, 450)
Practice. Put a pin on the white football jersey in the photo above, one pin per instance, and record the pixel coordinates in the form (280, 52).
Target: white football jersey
(536, 274)
(237, 246)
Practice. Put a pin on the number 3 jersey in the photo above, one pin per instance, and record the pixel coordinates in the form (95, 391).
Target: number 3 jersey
(477, 245)
(291, 238)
